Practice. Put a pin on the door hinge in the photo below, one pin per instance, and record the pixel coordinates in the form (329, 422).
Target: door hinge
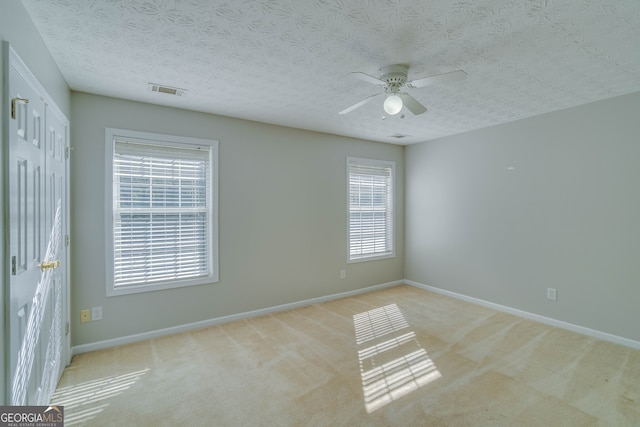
(66, 240)
(66, 328)
(14, 266)
(13, 105)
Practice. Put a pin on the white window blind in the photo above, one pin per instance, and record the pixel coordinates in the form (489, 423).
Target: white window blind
(370, 208)
(162, 212)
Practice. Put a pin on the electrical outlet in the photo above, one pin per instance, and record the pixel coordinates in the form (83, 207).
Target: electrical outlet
(551, 294)
(96, 313)
(343, 273)
(85, 316)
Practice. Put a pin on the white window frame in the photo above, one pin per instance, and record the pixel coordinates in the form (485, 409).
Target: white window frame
(389, 252)
(111, 135)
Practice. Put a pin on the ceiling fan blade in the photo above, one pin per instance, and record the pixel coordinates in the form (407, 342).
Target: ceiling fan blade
(412, 105)
(367, 78)
(440, 78)
(359, 104)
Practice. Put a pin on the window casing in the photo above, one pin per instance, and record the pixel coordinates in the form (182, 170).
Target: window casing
(370, 209)
(162, 211)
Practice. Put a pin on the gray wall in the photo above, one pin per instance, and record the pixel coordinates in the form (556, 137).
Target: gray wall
(567, 216)
(282, 218)
(17, 28)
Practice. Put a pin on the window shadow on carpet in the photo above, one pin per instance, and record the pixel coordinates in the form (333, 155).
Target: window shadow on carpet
(392, 361)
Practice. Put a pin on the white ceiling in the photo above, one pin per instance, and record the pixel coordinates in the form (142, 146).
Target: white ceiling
(288, 62)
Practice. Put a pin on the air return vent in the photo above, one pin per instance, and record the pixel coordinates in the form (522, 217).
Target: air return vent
(154, 87)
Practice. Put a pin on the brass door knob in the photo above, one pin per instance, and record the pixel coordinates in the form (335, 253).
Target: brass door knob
(50, 264)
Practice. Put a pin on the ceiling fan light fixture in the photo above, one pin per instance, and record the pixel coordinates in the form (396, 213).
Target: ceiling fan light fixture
(393, 104)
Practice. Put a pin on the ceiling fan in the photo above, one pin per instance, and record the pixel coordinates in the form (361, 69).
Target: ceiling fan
(394, 78)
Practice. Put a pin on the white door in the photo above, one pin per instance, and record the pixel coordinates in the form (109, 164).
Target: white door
(38, 288)
(56, 316)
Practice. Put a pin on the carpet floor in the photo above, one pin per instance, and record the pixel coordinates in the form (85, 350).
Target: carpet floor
(400, 356)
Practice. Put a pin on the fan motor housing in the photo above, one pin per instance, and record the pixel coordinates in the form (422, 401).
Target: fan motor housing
(394, 75)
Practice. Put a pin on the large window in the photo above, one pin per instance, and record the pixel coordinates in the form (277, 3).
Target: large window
(370, 209)
(162, 206)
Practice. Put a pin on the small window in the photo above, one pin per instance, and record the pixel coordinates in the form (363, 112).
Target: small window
(162, 206)
(370, 221)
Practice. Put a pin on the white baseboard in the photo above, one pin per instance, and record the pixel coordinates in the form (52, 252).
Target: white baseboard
(535, 317)
(100, 345)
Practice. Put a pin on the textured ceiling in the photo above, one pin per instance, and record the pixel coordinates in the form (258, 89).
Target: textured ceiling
(288, 62)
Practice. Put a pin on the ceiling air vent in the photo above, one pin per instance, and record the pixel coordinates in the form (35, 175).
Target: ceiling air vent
(154, 87)
(398, 136)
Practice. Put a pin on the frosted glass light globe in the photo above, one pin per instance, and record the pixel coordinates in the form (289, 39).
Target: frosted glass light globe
(393, 104)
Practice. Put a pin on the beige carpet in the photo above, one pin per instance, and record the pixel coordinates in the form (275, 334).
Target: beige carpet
(397, 357)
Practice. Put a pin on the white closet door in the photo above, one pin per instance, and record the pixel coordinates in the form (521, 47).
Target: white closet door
(38, 288)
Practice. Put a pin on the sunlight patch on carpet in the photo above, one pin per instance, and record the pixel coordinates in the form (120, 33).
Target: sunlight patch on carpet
(392, 361)
(84, 401)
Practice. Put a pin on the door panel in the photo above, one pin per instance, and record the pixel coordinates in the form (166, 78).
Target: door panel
(54, 354)
(26, 159)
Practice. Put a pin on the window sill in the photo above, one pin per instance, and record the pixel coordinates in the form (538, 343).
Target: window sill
(136, 289)
(371, 258)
